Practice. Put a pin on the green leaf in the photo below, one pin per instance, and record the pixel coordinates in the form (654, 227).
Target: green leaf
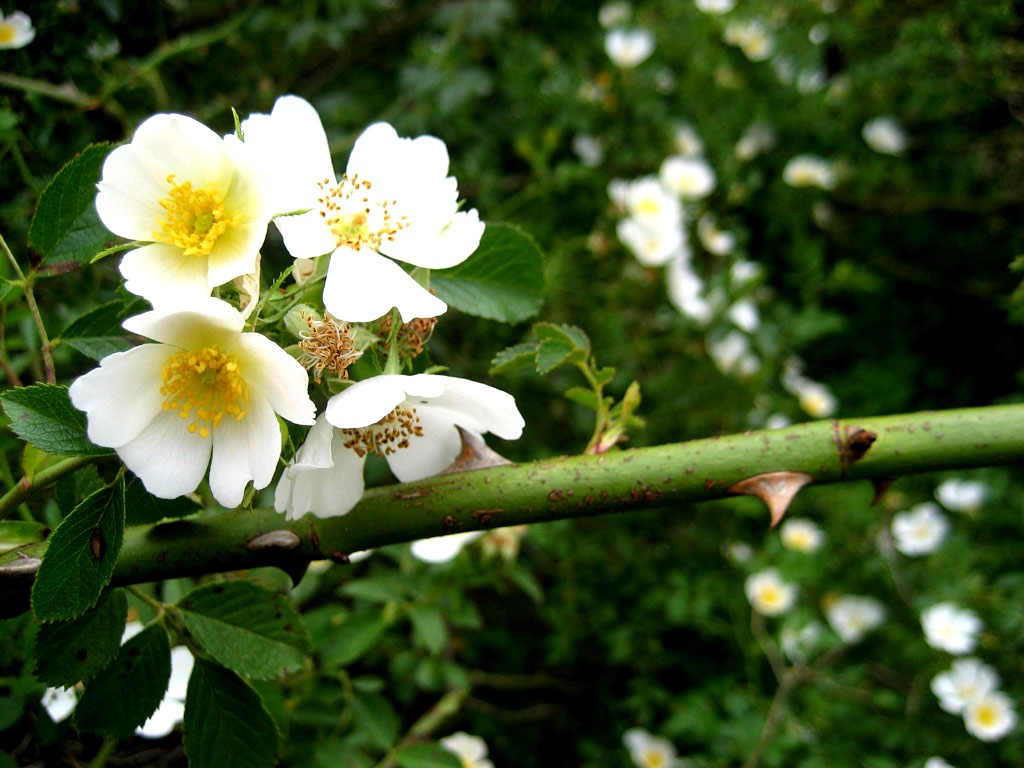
(44, 416)
(515, 357)
(80, 557)
(376, 590)
(570, 335)
(428, 628)
(15, 533)
(560, 345)
(98, 333)
(128, 691)
(583, 396)
(503, 280)
(70, 651)
(226, 722)
(426, 756)
(248, 628)
(358, 633)
(375, 716)
(66, 228)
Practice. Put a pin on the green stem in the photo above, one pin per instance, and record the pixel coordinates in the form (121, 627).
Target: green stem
(104, 754)
(42, 479)
(668, 476)
(30, 297)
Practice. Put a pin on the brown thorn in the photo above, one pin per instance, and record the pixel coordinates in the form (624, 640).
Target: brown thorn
(882, 486)
(474, 455)
(775, 489)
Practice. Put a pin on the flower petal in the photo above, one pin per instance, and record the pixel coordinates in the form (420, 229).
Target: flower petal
(168, 459)
(452, 245)
(276, 375)
(122, 396)
(243, 451)
(362, 286)
(326, 492)
(205, 322)
(366, 402)
(162, 274)
(431, 453)
(478, 407)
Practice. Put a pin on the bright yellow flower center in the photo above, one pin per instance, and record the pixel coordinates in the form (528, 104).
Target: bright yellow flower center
(653, 759)
(195, 218)
(986, 715)
(355, 219)
(6, 32)
(204, 386)
(387, 436)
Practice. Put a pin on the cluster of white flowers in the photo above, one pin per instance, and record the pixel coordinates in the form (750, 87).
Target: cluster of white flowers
(208, 393)
(971, 688)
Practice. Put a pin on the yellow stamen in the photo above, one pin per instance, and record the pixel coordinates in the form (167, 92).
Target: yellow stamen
(387, 436)
(204, 386)
(195, 218)
(6, 33)
(353, 217)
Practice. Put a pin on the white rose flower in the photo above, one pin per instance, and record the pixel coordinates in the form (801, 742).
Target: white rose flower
(628, 48)
(471, 750)
(853, 616)
(885, 135)
(920, 530)
(951, 629)
(966, 680)
(649, 751)
(990, 717)
(768, 593)
(205, 395)
(409, 420)
(961, 495)
(394, 203)
(16, 30)
(801, 534)
(692, 178)
(809, 171)
(200, 201)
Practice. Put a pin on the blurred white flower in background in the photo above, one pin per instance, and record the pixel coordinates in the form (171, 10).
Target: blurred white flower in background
(613, 14)
(714, 7)
(471, 750)
(16, 30)
(967, 680)
(990, 717)
(936, 762)
(799, 643)
(441, 549)
(950, 628)
(758, 138)
(649, 751)
(853, 616)
(885, 135)
(809, 171)
(687, 141)
(961, 495)
(768, 593)
(589, 149)
(732, 354)
(628, 47)
(801, 534)
(714, 239)
(692, 178)
(920, 530)
(751, 37)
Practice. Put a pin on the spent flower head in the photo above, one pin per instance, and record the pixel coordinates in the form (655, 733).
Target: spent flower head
(206, 394)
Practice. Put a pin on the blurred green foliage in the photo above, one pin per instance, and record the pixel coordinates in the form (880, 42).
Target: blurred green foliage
(894, 288)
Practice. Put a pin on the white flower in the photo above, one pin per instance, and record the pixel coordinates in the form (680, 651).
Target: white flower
(589, 149)
(961, 495)
(647, 201)
(394, 201)
(798, 644)
(758, 138)
(950, 629)
(16, 30)
(768, 593)
(687, 141)
(885, 135)
(613, 14)
(990, 717)
(648, 751)
(685, 291)
(59, 703)
(815, 398)
(738, 551)
(744, 315)
(409, 420)
(628, 47)
(811, 80)
(732, 354)
(801, 534)
(936, 762)
(744, 272)
(751, 37)
(652, 245)
(441, 549)
(819, 33)
(471, 750)
(809, 171)
(714, 240)
(205, 390)
(715, 7)
(692, 178)
(853, 616)
(920, 530)
(965, 681)
(198, 199)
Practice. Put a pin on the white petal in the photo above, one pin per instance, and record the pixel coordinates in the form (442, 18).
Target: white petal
(244, 450)
(122, 396)
(161, 273)
(168, 459)
(315, 451)
(327, 492)
(441, 549)
(275, 375)
(182, 662)
(306, 236)
(452, 245)
(478, 407)
(206, 321)
(430, 454)
(162, 722)
(362, 286)
(366, 402)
